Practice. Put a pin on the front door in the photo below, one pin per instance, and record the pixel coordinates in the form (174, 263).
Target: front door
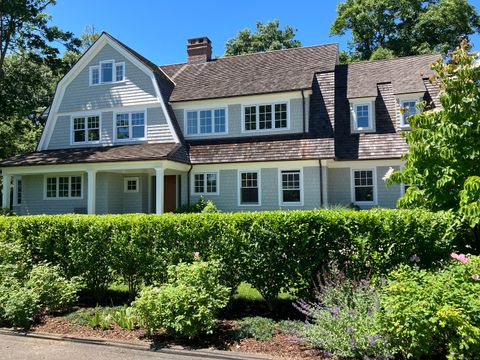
(170, 193)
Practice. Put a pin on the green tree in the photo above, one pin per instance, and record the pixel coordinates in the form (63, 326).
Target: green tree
(405, 27)
(443, 161)
(268, 36)
(24, 26)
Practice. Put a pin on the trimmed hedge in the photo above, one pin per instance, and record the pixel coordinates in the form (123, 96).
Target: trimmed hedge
(270, 250)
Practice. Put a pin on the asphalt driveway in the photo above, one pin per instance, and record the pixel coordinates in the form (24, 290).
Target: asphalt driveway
(20, 347)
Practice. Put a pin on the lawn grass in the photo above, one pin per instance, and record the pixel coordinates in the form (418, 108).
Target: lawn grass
(245, 291)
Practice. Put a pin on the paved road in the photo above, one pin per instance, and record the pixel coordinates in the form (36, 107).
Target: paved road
(14, 347)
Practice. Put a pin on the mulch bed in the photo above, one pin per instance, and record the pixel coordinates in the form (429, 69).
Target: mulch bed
(281, 346)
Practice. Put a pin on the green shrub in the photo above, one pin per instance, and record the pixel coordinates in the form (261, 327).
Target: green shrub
(26, 290)
(7, 212)
(257, 327)
(272, 251)
(187, 304)
(344, 320)
(53, 290)
(201, 206)
(427, 312)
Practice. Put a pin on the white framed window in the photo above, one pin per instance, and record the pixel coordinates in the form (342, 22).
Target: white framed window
(130, 126)
(364, 186)
(119, 72)
(206, 121)
(206, 183)
(362, 115)
(291, 187)
(131, 184)
(63, 187)
(264, 117)
(249, 188)
(17, 185)
(94, 75)
(85, 129)
(107, 72)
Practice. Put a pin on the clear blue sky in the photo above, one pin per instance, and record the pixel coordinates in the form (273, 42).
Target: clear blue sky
(158, 29)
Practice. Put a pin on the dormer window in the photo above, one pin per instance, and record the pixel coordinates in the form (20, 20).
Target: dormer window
(407, 107)
(107, 72)
(362, 115)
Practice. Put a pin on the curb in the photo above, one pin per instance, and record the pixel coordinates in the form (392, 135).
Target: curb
(201, 353)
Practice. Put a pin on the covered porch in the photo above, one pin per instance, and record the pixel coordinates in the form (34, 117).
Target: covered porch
(96, 188)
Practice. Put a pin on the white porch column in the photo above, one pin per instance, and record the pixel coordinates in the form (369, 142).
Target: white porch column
(159, 190)
(6, 193)
(91, 191)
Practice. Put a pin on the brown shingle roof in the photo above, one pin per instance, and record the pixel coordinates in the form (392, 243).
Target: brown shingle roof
(142, 152)
(406, 75)
(371, 146)
(302, 149)
(261, 73)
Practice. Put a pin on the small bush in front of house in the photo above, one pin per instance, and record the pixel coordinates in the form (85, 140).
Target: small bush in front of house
(201, 206)
(26, 290)
(257, 327)
(343, 321)
(428, 313)
(7, 212)
(187, 304)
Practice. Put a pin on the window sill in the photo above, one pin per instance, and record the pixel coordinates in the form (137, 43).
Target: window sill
(363, 131)
(129, 140)
(205, 194)
(249, 204)
(292, 204)
(264, 130)
(86, 143)
(109, 83)
(64, 198)
(205, 135)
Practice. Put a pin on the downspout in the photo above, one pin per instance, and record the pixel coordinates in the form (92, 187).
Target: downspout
(321, 183)
(303, 112)
(188, 184)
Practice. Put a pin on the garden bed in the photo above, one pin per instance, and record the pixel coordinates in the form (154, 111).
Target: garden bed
(281, 346)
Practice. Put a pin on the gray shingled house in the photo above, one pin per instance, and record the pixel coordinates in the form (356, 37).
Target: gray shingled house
(287, 129)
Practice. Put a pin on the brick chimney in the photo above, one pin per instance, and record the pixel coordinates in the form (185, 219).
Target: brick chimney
(199, 50)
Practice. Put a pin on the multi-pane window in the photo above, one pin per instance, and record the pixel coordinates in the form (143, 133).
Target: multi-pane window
(86, 129)
(130, 184)
(265, 117)
(94, 75)
(291, 187)
(363, 185)
(251, 118)
(408, 109)
(280, 115)
(206, 183)
(107, 72)
(249, 194)
(206, 122)
(64, 187)
(18, 193)
(362, 116)
(119, 72)
(130, 126)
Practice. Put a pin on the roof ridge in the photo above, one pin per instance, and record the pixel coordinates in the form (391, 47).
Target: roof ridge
(257, 53)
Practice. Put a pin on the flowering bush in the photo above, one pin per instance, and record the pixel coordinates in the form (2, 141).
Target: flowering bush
(426, 313)
(187, 304)
(344, 322)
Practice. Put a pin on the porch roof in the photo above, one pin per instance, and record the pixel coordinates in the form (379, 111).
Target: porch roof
(138, 152)
(298, 149)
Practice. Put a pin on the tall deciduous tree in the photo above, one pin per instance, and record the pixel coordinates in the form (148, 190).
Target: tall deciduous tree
(268, 36)
(443, 161)
(405, 27)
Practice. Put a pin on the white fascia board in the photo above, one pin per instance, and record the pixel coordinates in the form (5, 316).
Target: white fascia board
(356, 164)
(244, 100)
(99, 167)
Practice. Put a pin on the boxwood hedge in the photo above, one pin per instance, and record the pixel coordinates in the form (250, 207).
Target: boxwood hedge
(270, 250)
